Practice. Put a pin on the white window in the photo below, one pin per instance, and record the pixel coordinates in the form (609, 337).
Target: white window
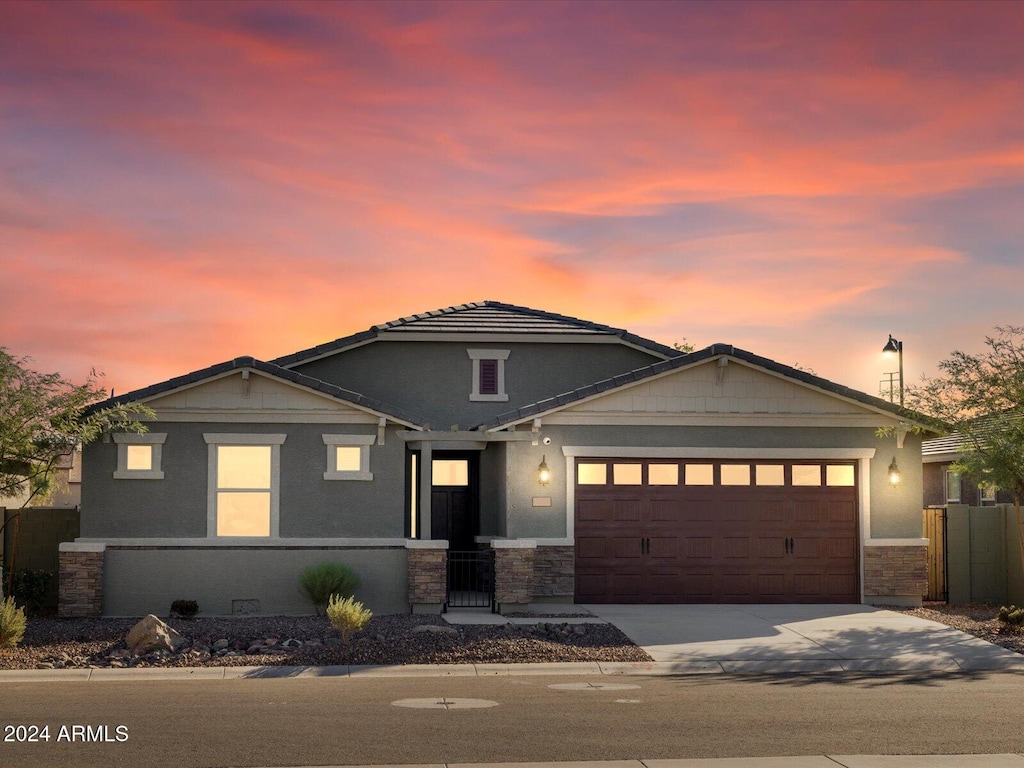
(488, 374)
(244, 485)
(139, 456)
(988, 493)
(952, 486)
(348, 457)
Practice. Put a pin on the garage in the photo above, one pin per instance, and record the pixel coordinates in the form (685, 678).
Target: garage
(716, 531)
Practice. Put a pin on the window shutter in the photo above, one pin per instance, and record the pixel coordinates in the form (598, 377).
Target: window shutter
(488, 377)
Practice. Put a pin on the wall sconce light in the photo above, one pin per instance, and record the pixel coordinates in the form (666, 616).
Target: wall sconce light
(894, 473)
(543, 473)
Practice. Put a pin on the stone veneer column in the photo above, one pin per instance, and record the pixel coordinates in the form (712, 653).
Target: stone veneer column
(554, 573)
(895, 571)
(513, 572)
(428, 575)
(80, 580)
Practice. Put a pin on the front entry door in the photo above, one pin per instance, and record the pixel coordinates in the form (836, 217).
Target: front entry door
(453, 502)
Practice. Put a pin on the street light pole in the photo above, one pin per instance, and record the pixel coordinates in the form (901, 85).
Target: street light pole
(896, 347)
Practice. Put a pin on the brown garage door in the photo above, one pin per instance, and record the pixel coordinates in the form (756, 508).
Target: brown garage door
(703, 531)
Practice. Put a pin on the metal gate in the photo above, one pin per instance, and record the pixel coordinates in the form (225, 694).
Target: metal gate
(471, 579)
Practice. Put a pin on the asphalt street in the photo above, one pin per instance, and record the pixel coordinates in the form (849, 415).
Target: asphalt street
(356, 721)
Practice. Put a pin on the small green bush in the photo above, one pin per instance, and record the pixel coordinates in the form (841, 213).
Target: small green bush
(323, 580)
(1011, 615)
(12, 623)
(347, 615)
(186, 609)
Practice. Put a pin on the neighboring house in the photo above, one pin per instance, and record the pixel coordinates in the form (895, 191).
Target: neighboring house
(66, 486)
(943, 485)
(598, 466)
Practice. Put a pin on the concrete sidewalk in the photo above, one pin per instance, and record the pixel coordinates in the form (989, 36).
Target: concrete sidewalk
(807, 761)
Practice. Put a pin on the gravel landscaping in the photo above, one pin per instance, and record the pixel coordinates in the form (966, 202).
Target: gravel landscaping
(282, 640)
(977, 620)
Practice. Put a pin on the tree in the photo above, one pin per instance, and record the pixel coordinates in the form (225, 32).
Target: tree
(44, 417)
(684, 346)
(980, 397)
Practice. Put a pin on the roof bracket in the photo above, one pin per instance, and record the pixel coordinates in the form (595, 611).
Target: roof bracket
(722, 363)
(536, 431)
(901, 432)
(381, 423)
(245, 382)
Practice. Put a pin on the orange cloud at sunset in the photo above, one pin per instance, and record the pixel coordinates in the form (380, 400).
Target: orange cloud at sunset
(183, 183)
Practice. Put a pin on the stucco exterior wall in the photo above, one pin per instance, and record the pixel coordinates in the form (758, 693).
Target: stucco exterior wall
(434, 379)
(140, 581)
(310, 507)
(492, 490)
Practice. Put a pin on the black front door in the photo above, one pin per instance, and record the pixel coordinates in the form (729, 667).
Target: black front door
(453, 502)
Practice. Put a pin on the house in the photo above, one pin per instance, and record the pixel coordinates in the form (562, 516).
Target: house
(591, 464)
(944, 486)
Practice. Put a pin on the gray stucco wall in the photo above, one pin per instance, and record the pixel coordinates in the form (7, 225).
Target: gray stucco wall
(434, 380)
(895, 512)
(492, 490)
(141, 581)
(176, 507)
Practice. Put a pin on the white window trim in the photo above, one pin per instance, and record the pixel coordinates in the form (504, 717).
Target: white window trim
(123, 440)
(476, 355)
(363, 442)
(959, 486)
(215, 439)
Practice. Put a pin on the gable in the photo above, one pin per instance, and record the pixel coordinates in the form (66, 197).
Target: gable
(711, 393)
(251, 395)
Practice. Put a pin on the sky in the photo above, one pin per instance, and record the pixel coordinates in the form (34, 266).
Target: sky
(185, 183)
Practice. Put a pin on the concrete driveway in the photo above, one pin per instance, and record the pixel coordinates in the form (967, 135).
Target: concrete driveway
(800, 638)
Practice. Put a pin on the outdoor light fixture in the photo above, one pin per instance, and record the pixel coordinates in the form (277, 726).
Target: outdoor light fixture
(894, 473)
(543, 473)
(894, 347)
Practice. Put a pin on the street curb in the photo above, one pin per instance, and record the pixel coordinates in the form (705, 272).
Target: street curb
(782, 667)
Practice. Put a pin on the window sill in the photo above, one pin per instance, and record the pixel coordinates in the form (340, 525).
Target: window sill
(488, 398)
(138, 474)
(348, 475)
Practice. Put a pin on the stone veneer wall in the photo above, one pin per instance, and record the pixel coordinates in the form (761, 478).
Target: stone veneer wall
(80, 584)
(428, 576)
(513, 575)
(895, 573)
(554, 572)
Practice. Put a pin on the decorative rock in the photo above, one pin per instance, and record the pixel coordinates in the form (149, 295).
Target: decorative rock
(153, 634)
(290, 643)
(221, 644)
(436, 629)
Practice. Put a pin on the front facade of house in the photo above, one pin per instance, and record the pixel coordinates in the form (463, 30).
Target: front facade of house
(597, 465)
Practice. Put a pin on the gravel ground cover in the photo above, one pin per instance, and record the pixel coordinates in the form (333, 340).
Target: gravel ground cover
(276, 640)
(977, 620)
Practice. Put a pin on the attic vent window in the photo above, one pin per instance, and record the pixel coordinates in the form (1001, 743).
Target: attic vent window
(139, 456)
(488, 374)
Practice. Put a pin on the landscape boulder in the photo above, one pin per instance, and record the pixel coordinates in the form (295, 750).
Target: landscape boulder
(152, 634)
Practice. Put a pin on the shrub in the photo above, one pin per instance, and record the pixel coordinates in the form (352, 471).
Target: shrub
(347, 615)
(12, 623)
(323, 580)
(1011, 615)
(31, 589)
(186, 609)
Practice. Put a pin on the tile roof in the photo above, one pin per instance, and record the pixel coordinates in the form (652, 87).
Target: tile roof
(487, 317)
(713, 351)
(270, 369)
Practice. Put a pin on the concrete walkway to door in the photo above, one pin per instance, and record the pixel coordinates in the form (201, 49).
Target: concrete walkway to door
(800, 638)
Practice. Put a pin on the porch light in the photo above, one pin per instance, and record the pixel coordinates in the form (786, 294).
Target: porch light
(543, 473)
(894, 473)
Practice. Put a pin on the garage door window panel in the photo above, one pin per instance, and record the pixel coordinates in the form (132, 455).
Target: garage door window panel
(839, 475)
(627, 474)
(699, 474)
(592, 474)
(663, 474)
(807, 475)
(735, 474)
